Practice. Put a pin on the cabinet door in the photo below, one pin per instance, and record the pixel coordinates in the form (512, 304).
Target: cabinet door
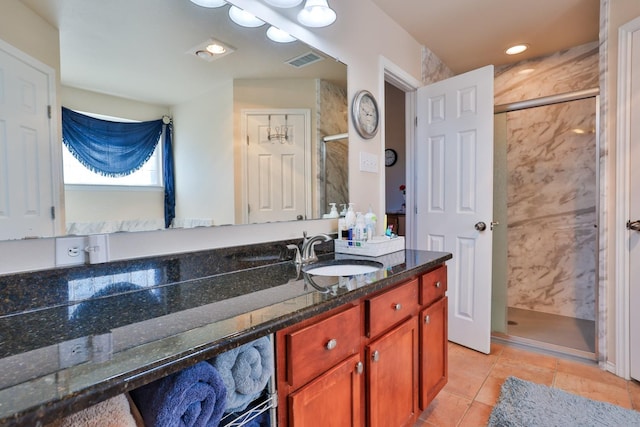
(333, 399)
(433, 345)
(392, 369)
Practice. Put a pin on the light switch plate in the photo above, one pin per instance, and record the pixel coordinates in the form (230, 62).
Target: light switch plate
(368, 162)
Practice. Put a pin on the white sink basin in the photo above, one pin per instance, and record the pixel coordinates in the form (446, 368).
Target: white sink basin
(343, 267)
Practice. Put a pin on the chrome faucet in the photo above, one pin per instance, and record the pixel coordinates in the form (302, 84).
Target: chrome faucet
(308, 253)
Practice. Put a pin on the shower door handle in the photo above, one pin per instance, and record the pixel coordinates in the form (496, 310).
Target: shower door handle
(633, 225)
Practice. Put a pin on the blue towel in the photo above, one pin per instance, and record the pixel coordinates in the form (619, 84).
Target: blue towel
(193, 397)
(245, 371)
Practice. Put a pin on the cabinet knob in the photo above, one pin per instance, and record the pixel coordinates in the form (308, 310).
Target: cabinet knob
(438, 284)
(397, 307)
(359, 368)
(427, 319)
(331, 344)
(375, 356)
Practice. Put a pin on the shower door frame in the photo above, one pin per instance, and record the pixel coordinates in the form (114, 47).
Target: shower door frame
(556, 99)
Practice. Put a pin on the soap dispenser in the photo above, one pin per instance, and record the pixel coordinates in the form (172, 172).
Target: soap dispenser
(334, 211)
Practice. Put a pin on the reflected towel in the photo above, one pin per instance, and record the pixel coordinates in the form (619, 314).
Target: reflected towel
(195, 397)
(245, 371)
(114, 412)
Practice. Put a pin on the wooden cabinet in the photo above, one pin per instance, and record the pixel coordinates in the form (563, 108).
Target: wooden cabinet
(433, 335)
(392, 377)
(377, 362)
(332, 400)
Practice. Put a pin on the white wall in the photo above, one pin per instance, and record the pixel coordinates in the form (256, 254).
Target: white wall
(377, 39)
(203, 156)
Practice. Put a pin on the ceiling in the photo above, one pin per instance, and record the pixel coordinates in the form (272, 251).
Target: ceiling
(106, 50)
(468, 34)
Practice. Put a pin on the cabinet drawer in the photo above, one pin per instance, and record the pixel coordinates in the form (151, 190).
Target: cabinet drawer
(391, 307)
(316, 348)
(433, 285)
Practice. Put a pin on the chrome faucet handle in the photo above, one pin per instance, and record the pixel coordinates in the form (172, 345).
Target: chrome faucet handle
(308, 252)
(298, 258)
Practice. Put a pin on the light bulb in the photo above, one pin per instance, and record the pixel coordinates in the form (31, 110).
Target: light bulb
(244, 18)
(209, 3)
(316, 13)
(279, 36)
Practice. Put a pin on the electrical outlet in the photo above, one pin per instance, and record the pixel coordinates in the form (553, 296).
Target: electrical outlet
(368, 162)
(70, 251)
(74, 352)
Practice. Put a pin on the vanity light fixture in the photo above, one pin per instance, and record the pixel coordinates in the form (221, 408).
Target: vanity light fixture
(244, 18)
(279, 36)
(516, 49)
(316, 13)
(209, 3)
(283, 3)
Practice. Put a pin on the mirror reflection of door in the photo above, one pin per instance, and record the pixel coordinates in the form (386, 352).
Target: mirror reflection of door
(395, 165)
(276, 166)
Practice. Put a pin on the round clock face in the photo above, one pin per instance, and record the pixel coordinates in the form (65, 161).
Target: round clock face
(365, 114)
(390, 157)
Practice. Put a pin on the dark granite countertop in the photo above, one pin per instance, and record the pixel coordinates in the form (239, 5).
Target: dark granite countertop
(73, 337)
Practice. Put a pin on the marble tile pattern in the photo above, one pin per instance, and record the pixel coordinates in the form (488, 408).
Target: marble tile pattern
(551, 209)
(433, 69)
(143, 319)
(565, 71)
(333, 157)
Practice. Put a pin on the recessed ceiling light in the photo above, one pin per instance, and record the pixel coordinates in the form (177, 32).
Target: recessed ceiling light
(514, 50)
(244, 18)
(211, 49)
(216, 48)
(279, 36)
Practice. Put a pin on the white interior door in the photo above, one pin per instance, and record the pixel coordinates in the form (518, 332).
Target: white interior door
(26, 184)
(634, 206)
(454, 195)
(277, 169)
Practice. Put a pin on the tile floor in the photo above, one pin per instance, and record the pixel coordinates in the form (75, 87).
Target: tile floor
(475, 380)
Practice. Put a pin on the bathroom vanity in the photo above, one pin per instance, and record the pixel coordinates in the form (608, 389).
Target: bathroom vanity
(72, 337)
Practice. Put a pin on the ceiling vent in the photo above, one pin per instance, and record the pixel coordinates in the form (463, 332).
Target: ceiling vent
(305, 59)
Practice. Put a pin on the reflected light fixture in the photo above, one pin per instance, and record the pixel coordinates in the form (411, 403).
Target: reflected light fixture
(516, 49)
(209, 3)
(279, 36)
(244, 18)
(216, 48)
(316, 13)
(283, 3)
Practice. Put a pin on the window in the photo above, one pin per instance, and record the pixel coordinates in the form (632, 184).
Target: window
(149, 175)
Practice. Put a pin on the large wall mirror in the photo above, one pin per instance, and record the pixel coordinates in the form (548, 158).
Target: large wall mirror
(231, 116)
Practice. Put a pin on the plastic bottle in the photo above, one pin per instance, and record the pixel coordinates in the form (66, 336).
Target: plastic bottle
(360, 228)
(350, 218)
(370, 220)
(334, 211)
(343, 232)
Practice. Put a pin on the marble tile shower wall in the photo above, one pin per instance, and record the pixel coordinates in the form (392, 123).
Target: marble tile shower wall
(552, 184)
(332, 113)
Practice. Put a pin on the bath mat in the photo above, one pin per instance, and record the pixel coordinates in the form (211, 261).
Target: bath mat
(522, 403)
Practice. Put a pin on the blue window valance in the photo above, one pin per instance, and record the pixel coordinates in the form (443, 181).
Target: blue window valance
(116, 149)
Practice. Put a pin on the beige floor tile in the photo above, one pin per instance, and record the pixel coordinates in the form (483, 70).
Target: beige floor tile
(634, 392)
(527, 358)
(593, 389)
(447, 409)
(477, 415)
(590, 372)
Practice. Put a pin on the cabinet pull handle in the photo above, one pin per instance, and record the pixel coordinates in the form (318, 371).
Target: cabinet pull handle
(397, 307)
(331, 344)
(359, 368)
(438, 284)
(375, 356)
(427, 319)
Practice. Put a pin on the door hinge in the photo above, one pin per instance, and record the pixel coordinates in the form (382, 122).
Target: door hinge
(49, 111)
(247, 139)
(53, 212)
(416, 121)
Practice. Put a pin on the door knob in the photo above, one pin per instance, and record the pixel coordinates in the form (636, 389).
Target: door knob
(633, 225)
(480, 226)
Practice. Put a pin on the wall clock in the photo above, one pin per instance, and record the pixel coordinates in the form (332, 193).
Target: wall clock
(366, 117)
(390, 157)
